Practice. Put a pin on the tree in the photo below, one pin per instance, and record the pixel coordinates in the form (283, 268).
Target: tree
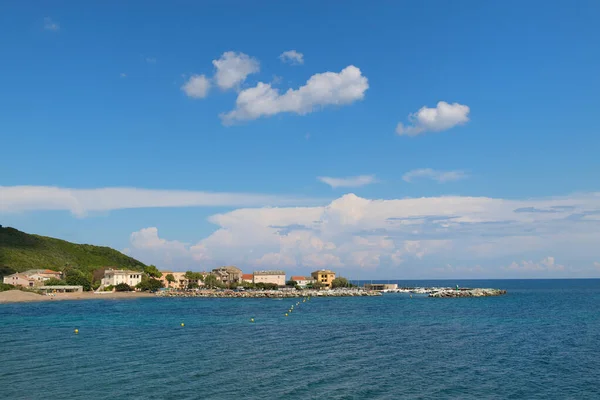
(339, 282)
(152, 271)
(149, 284)
(4, 271)
(123, 287)
(193, 276)
(291, 283)
(170, 278)
(54, 282)
(315, 285)
(77, 278)
(267, 286)
(211, 281)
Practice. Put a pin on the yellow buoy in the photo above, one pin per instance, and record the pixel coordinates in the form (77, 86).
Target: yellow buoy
(182, 324)
(76, 331)
(286, 314)
(251, 319)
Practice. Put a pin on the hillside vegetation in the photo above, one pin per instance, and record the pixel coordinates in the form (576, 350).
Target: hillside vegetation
(20, 251)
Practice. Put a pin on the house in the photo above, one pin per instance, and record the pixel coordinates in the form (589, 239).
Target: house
(43, 274)
(323, 276)
(302, 281)
(381, 286)
(248, 277)
(181, 282)
(32, 277)
(112, 277)
(276, 277)
(19, 279)
(228, 274)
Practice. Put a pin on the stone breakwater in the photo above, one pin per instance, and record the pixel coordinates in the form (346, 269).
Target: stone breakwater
(467, 293)
(275, 294)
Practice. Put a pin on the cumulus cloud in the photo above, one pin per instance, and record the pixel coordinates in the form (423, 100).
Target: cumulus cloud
(324, 89)
(436, 175)
(51, 25)
(354, 233)
(292, 57)
(196, 87)
(81, 201)
(233, 68)
(548, 264)
(352, 181)
(444, 116)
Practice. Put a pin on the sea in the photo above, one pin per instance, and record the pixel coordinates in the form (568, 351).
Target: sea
(540, 341)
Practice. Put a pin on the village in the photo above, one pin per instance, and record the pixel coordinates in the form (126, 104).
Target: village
(226, 281)
(152, 279)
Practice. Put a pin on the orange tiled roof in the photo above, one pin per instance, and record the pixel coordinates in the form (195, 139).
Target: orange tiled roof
(246, 277)
(298, 278)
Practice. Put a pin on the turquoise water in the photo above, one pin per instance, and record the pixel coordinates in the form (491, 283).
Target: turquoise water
(540, 341)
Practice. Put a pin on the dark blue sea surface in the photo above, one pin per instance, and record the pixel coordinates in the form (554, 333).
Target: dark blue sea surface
(540, 341)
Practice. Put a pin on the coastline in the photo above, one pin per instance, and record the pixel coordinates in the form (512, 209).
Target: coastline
(18, 296)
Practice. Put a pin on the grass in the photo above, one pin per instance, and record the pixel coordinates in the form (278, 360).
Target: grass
(20, 251)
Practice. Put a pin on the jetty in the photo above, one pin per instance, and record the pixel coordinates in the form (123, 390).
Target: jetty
(467, 293)
(448, 291)
(275, 294)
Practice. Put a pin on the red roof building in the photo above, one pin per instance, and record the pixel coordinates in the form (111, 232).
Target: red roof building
(247, 277)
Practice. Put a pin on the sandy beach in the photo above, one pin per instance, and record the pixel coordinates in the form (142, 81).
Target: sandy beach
(18, 296)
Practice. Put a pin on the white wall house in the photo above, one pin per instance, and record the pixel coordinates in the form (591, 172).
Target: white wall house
(112, 277)
(302, 281)
(276, 277)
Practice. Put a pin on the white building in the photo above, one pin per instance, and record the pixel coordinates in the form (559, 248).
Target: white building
(276, 277)
(112, 277)
(302, 281)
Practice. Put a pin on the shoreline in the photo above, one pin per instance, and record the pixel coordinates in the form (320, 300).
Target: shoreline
(19, 296)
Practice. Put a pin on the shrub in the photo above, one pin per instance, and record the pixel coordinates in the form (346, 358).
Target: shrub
(54, 282)
(150, 284)
(6, 286)
(123, 287)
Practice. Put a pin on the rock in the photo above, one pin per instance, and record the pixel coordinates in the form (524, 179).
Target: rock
(467, 293)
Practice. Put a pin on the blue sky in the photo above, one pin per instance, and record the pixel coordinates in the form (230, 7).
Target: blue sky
(497, 100)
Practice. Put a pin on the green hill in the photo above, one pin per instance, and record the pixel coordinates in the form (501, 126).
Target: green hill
(21, 251)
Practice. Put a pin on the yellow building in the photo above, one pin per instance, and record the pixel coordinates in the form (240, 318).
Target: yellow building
(324, 276)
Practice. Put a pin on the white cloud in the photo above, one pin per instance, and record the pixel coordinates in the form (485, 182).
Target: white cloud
(444, 116)
(414, 234)
(233, 69)
(325, 89)
(51, 25)
(151, 60)
(436, 175)
(81, 201)
(352, 181)
(197, 86)
(292, 57)
(123, 75)
(547, 264)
